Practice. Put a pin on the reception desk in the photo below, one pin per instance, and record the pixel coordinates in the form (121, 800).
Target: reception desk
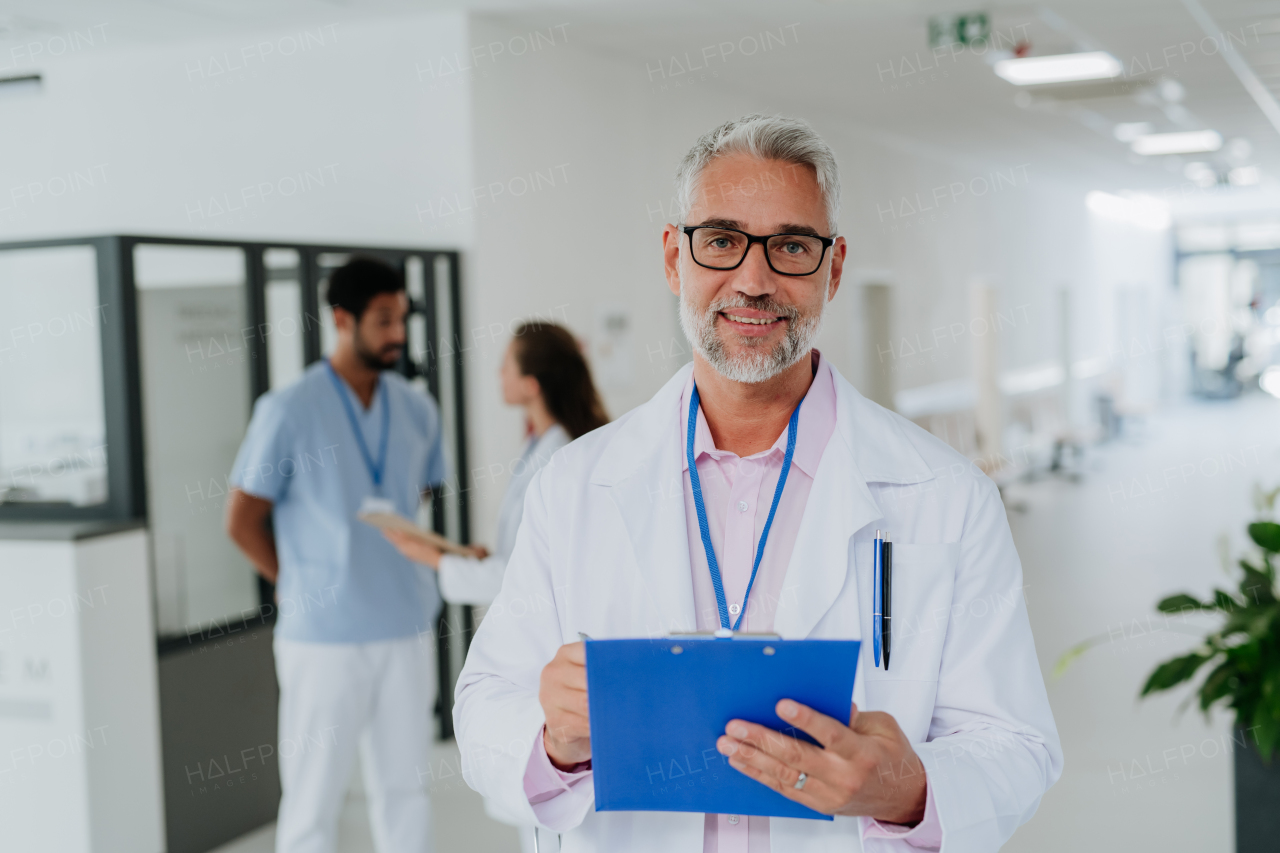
(80, 768)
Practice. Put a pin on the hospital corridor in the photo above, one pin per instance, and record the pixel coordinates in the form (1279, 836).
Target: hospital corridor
(521, 427)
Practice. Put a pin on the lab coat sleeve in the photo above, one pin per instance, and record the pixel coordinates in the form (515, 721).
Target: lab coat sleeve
(993, 748)
(466, 580)
(497, 716)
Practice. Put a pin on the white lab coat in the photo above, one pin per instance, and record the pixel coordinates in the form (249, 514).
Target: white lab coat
(604, 550)
(466, 580)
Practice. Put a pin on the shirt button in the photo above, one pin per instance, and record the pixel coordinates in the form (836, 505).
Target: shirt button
(733, 819)
(742, 506)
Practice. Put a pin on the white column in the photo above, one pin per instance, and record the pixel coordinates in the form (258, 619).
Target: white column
(79, 707)
(877, 317)
(989, 406)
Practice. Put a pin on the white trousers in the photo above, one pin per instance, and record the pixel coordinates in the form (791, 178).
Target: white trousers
(336, 698)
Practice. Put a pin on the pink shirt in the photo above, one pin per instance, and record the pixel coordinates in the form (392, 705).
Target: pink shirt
(737, 493)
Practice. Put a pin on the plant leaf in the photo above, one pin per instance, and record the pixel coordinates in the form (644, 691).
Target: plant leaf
(1224, 602)
(1266, 535)
(1180, 602)
(1174, 672)
(1256, 585)
(1070, 655)
(1217, 684)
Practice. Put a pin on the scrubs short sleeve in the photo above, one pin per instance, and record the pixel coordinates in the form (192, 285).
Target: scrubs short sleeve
(261, 468)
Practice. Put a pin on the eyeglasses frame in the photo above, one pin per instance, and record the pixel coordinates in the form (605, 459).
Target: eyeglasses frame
(827, 243)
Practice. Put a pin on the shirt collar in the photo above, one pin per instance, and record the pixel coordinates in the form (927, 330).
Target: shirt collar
(816, 424)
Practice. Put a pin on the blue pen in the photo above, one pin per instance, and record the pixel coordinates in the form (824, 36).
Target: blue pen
(877, 557)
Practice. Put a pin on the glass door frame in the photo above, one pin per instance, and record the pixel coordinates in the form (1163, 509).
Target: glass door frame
(122, 391)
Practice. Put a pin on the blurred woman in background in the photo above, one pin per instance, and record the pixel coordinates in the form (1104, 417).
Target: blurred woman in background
(544, 372)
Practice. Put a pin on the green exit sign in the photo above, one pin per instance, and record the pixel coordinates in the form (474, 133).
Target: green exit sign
(972, 28)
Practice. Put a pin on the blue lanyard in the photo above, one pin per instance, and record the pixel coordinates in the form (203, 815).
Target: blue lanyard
(702, 511)
(375, 469)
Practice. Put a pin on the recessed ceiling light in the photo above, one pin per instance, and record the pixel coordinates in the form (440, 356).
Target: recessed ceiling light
(1239, 149)
(1201, 174)
(1269, 380)
(1244, 176)
(1131, 130)
(1143, 211)
(1183, 142)
(1064, 68)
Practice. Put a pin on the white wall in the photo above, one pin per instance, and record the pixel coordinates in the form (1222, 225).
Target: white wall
(615, 138)
(330, 131)
(507, 139)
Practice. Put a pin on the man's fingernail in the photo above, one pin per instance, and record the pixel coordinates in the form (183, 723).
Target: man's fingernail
(738, 730)
(788, 709)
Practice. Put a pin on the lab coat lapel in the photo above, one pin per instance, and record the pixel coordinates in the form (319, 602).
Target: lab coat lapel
(868, 446)
(839, 505)
(643, 472)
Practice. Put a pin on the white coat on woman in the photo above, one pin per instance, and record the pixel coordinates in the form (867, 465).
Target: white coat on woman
(468, 580)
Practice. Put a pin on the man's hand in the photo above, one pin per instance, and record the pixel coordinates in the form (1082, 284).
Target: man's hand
(867, 768)
(563, 694)
(246, 524)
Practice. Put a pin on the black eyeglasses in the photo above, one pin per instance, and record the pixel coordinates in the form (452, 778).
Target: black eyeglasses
(719, 248)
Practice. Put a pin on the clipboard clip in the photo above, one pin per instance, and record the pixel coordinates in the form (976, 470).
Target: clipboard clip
(726, 634)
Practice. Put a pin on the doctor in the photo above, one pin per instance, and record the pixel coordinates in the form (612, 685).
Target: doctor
(950, 749)
(545, 373)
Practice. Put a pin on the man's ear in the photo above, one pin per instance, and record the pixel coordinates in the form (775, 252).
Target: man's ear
(343, 319)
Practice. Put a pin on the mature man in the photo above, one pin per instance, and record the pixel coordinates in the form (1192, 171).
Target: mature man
(352, 671)
(952, 746)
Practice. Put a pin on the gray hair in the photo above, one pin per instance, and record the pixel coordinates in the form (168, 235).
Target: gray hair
(790, 140)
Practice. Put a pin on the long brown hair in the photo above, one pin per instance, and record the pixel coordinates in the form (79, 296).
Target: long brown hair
(549, 353)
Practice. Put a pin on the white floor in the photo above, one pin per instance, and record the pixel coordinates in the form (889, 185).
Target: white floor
(460, 820)
(1096, 558)
(1097, 555)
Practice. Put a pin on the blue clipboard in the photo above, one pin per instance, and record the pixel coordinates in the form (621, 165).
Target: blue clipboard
(657, 707)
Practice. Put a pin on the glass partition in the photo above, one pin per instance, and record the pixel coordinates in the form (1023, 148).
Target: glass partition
(128, 370)
(53, 444)
(285, 317)
(195, 351)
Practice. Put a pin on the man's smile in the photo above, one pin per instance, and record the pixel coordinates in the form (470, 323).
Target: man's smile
(748, 321)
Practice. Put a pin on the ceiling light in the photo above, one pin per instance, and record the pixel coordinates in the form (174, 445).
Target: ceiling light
(1239, 149)
(1064, 68)
(1172, 91)
(1184, 142)
(1143, 211)
(1270, 380)
(1200, 173)
(1131, 130)
(1244, 176)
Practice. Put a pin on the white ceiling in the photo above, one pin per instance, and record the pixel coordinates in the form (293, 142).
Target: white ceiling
(839, 56)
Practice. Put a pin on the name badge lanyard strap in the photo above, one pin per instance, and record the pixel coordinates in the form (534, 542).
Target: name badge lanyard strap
(376, 469)
(701, 508)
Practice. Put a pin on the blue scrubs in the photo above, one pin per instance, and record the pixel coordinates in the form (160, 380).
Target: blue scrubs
(340, 580)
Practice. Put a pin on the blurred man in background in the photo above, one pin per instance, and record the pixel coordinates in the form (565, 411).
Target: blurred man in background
(350, 434)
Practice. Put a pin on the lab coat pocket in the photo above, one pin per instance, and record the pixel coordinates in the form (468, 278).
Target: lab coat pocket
(920, 603)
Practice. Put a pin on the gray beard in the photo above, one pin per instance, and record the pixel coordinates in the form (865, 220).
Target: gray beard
(756, 364)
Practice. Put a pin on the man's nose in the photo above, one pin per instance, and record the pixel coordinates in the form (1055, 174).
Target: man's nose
(754, 277)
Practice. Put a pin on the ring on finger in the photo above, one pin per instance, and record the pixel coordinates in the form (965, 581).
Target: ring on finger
(804, 777)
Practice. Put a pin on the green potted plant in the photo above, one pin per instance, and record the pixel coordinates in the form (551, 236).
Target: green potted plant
(1242, 658)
